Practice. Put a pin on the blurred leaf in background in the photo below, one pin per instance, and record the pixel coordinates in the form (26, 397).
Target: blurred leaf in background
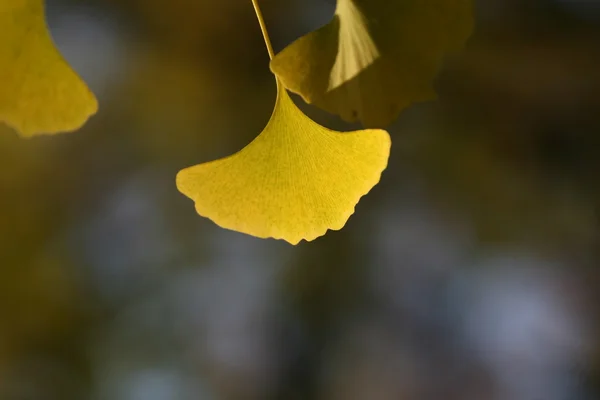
(375, 57)
(40, 93)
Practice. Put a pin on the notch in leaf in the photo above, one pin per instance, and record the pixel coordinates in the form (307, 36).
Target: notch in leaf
(375, 57)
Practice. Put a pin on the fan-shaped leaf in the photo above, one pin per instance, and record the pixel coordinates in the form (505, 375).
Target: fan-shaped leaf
(295, 181)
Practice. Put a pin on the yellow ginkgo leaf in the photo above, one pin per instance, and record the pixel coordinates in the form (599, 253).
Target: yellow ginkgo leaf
(375, 57)
(295, 181)
(39, 92)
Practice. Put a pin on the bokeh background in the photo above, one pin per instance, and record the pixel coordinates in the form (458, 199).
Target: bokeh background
(471, 272)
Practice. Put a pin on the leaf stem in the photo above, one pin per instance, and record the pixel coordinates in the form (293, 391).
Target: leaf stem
(263, 28)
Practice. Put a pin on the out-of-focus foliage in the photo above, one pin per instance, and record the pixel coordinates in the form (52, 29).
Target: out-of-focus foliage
(295, 181)
(39, 92)
(375, 57)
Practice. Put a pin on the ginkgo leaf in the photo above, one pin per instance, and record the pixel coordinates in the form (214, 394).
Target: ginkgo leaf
(295, 181)
(39, 92)
(375, 57)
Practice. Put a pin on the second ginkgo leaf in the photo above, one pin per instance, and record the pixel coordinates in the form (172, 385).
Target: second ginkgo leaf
(39, 92)
(375, 57)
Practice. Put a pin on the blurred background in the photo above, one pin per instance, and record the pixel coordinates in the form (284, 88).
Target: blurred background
(470, 272)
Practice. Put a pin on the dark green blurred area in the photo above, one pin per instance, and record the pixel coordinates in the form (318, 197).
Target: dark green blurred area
(470, 272)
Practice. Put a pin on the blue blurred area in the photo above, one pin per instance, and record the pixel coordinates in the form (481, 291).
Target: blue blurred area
(470, 272)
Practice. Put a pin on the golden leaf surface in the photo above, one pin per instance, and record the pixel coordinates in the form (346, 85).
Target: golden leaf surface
(295, 181)
(39, 92)
(375, 57)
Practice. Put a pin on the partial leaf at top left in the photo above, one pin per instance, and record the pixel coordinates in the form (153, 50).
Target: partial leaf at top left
(39, 92)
